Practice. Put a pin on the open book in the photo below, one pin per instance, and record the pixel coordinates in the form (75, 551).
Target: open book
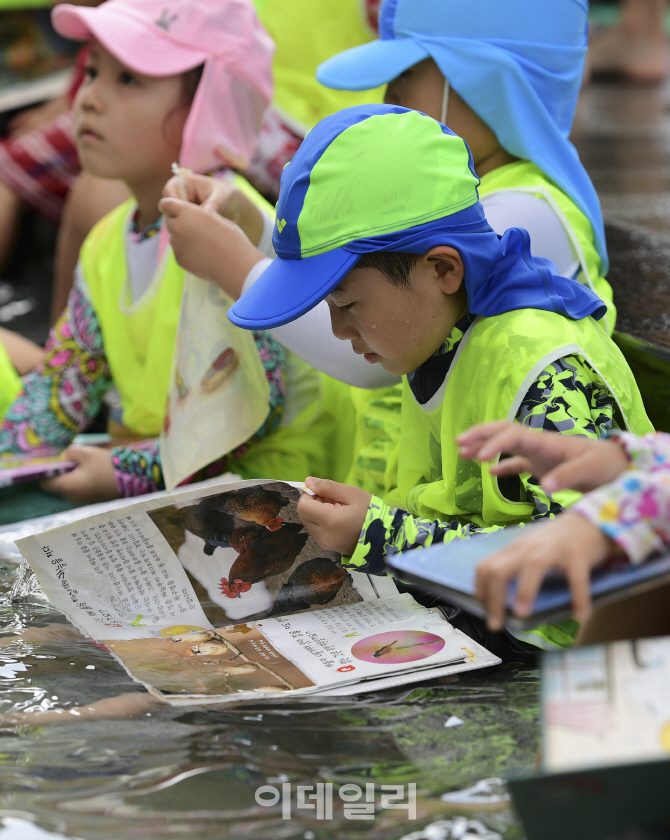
(46, 463)
(219, 594)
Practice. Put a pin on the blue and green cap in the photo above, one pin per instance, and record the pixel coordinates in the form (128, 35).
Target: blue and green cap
(361, 176)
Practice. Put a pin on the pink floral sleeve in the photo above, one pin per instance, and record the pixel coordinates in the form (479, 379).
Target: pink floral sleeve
(634, 510)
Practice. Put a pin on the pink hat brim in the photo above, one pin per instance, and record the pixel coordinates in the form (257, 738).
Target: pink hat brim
(127, 38)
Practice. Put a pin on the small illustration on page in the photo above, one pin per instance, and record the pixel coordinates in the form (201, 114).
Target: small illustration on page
(221, 369)
(397, 647)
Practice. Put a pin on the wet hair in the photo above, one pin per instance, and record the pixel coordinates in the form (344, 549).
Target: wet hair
(395, 266)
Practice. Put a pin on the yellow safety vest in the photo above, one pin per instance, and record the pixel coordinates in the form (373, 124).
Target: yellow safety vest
(524, 176)
(306, 33)
(138, 337)
(10, 381)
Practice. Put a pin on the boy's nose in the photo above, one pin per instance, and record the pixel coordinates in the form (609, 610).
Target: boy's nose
(341, 324)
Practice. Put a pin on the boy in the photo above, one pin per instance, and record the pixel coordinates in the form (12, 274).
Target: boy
(505, 77)
(379, 214)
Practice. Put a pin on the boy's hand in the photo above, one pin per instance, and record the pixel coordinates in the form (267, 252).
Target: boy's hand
(219, 197)
(209, 246)
(564, 461)
(92, 481)
(335, 516)
(570, 543)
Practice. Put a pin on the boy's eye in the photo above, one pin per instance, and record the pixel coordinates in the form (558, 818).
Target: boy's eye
(346, 307)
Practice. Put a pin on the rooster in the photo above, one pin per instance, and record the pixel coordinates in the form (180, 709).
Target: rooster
(315, 581)
(261, 555)
(253, 504)
(211, 525)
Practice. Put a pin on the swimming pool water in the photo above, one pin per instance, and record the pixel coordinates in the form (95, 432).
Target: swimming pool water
(194, 773)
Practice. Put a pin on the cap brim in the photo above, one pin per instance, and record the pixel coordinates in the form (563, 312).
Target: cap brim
(127, 38)
(370, 65)
(289, 288)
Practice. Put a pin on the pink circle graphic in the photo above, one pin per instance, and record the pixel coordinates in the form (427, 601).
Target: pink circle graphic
(397, 646)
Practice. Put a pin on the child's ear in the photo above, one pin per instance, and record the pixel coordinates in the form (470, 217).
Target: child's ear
(448, 268)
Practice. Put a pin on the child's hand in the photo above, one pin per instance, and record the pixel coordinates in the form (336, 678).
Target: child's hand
(570, 461)
(570, 543)
(335, 516)
(219, 197)
(209, 246)
(92, 481)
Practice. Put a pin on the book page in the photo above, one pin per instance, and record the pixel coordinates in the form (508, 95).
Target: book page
(192, 560)
(301, 653)
(219, 394)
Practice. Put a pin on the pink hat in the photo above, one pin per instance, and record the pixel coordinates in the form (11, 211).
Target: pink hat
(168, 37)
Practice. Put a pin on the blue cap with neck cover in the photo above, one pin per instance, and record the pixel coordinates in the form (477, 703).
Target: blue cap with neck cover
(518, 64)
(383, 178)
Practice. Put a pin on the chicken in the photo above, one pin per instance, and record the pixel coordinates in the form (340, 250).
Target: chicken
(210, 524)
(253, 504)
(212, 647)
(261, 555)
(315, 581)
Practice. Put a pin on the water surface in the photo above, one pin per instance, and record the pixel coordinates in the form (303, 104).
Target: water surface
(194, 773)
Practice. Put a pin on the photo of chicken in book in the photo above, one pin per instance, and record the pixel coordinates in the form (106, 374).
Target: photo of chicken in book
(249, 556)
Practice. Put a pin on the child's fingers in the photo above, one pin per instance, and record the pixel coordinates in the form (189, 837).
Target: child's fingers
(577, 474)
(474, 438)
(61, 485)
(333, 491)
(211, 206)
(579, 580)
(528, 585)
(315, 511)
(172, 207)
(598, 463)
(81, 453)
(173, 188)
(514, 439)
(512, 466)
(493, 577)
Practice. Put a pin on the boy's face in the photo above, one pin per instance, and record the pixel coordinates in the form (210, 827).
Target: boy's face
(398, 327)
(421, 88)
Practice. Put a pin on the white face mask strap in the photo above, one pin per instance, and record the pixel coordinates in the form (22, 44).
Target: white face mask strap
(445, 102)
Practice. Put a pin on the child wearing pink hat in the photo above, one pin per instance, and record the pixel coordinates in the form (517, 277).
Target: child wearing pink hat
(184, 80)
